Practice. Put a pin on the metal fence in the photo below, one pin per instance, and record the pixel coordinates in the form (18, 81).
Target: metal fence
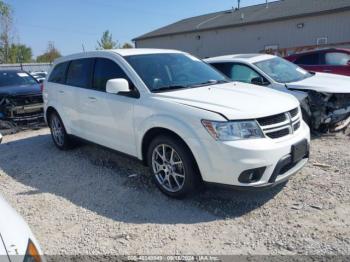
(29, 67)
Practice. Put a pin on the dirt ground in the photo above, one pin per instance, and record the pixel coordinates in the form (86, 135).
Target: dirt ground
(93, 201)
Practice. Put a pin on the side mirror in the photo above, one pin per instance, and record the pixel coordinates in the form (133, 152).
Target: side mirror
(41, 81)
(348, 63)
(259, 81)
(118, 85)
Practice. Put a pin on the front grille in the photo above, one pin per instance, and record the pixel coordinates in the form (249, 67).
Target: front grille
(296, 126)
(27, 100)
(280, 125)
(293, 113)
(271, 120)
(278, 134)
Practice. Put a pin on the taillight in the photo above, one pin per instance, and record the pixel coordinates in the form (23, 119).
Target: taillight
(42, 87)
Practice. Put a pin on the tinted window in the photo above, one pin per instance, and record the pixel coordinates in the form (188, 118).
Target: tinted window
(337, 58)
(312, 59)
(79, 73)
(166, 72)
(59, 73)
(237, 72)
(13, 78)
(224, 68)
(105, 70)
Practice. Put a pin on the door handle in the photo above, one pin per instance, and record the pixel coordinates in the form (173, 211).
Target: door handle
(92, 99)
(327, 70)
(61, 91)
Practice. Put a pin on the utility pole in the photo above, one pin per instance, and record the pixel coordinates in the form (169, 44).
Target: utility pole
(238, 4)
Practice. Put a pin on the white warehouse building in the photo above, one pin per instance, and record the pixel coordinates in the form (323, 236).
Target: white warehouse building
(283, 27)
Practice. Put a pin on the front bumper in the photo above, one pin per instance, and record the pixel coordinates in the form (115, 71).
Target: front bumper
(224, 162)
(25, 114)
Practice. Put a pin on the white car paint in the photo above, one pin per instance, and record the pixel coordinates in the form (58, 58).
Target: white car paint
(320, 82)
(14, 233)
(324, 83)
(120, 122)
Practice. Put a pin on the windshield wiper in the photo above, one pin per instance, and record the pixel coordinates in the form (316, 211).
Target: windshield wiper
(210, 82)
(169, 88)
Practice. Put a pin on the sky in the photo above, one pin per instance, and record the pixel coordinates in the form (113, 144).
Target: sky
(70, 24)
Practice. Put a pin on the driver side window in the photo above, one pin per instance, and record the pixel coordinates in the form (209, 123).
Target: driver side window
(106, 69)
(243, 73)
(239, 72)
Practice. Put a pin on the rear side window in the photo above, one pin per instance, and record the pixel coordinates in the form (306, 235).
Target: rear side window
(58, 74)
(312, 59)
(337, 59)
(79, 73)
(106, 69)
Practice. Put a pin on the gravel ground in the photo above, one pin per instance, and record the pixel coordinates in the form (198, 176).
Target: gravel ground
(93, 201)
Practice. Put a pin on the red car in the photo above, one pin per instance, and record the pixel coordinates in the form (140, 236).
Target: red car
(334, 61)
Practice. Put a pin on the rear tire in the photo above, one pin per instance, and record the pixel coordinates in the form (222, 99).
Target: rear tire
(58, 132)
(173, 167)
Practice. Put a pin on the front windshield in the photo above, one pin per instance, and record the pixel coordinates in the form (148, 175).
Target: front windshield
(282, 71)
(16, 79)
(166, 72)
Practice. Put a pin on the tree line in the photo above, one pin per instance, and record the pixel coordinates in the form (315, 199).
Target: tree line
(12, 52)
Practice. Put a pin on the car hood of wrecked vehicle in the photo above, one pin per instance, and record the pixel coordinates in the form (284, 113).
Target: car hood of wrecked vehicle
(323, 83)
(19, 90)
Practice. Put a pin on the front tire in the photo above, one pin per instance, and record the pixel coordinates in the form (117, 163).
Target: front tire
(58, 132)
(173, 167)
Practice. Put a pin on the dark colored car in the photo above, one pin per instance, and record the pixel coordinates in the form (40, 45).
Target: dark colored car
(21, 100)
(334, 61)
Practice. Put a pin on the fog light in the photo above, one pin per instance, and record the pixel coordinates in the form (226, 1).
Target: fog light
(251, 175)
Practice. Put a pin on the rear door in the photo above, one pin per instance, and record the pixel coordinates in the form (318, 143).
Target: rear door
(107, 119)
(78, 81)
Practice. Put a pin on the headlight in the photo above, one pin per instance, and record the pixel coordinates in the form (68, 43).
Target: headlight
(32, 253)
(235, 130)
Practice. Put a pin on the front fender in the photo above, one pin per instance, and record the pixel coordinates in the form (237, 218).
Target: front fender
(180, 127)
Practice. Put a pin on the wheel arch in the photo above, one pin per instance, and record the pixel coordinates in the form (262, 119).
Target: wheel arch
(48, 112)
(157, 131)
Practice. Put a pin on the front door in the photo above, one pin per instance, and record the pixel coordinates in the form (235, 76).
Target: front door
(108, 118)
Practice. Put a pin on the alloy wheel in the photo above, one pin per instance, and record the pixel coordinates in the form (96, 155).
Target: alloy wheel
(168, 168)
(57, 130)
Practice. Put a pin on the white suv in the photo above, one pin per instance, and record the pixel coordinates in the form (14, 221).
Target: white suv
(180, 116)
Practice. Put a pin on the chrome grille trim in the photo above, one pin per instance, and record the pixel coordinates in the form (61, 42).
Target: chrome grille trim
(277, 130)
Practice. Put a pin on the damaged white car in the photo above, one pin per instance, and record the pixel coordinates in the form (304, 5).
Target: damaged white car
(324, 98)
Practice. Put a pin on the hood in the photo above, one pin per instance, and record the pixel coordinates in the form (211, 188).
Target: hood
(323, 83)
(20, 90)
(13, 229)
(234, 100)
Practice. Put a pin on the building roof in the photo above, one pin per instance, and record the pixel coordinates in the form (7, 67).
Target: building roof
(278, 10)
